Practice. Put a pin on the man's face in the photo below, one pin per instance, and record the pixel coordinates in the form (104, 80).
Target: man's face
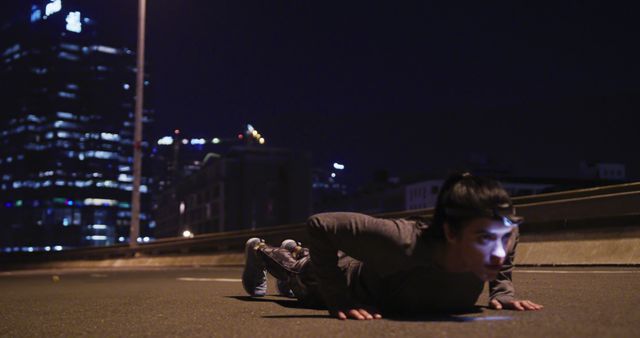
(482, 245)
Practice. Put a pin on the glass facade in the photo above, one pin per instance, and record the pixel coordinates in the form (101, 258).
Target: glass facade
(65, 132)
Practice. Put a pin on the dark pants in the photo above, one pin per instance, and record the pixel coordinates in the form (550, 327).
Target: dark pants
(295, 270)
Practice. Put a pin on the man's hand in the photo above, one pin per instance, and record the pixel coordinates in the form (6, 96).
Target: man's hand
(520, 305)
(358, 313)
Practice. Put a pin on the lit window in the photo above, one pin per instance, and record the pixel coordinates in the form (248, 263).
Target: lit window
(126, 86)
(70, 46)
(82, 184)
(36, 13)
(64, 125)
(68, 56)
(66, 95)
(53, 7)
(105, 49)
(125, 178)
(110, 137)
(65, 115)
(101, 154)
(100, 202)
(33, 118)
(107, 184)
(167, 140)
(73, 22)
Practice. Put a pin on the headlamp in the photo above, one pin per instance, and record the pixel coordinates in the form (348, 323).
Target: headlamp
(504, 212)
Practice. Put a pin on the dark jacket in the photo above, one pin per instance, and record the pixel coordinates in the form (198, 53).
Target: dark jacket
(388, 263)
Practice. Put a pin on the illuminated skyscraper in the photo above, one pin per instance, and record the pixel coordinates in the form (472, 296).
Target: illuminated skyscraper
(66, 126)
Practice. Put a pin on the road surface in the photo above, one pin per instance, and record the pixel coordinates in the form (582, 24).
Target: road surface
(579, 302)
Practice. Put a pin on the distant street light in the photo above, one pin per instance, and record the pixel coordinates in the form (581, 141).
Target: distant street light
(134, 230)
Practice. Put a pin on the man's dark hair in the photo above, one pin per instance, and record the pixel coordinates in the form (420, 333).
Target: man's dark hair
(464, 196)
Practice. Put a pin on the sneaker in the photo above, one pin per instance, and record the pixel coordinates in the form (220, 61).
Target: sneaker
(283, 287)
(289, 244)
(294, 247)
(254, 276)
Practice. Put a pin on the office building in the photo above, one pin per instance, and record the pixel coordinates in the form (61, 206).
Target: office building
(66, 130)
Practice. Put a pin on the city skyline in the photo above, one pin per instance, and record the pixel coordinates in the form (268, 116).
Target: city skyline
(412, 87)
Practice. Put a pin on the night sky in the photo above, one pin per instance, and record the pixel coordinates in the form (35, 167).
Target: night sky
(404, 86)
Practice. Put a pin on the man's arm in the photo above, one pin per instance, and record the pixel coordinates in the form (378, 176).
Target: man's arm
(501, 290)
(383, 244)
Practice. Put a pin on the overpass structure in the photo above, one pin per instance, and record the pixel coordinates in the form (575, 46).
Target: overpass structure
(595, 226)
(578, 256)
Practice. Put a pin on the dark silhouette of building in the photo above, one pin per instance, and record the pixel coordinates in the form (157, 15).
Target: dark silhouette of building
(178, 156)
(66, 130)
(249, 187)
(328, 188)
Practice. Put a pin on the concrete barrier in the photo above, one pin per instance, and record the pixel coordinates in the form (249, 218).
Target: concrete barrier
(610, 251)
(567, 252)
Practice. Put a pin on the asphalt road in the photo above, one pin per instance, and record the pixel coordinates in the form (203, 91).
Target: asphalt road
(579, 302)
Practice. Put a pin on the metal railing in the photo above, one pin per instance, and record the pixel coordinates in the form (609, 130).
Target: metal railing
(609, 208)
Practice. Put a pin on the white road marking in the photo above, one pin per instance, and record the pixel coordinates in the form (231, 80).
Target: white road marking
(191, 279)
(577, 271)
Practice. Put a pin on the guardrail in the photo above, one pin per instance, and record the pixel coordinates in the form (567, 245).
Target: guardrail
(612, 208)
